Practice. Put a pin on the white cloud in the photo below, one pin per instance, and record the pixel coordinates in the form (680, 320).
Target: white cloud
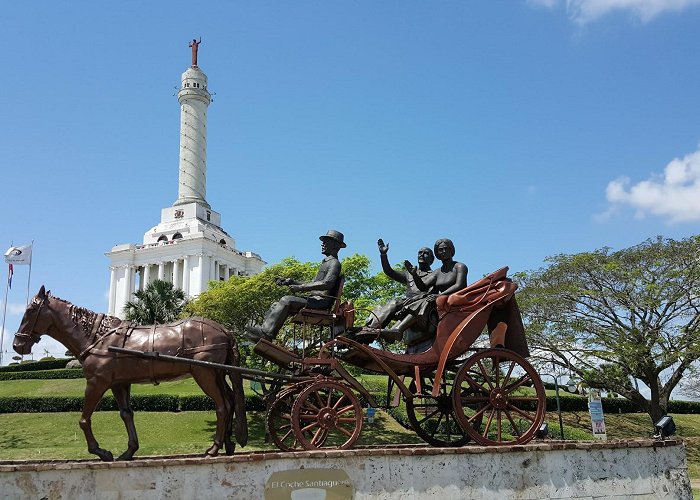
(674, 195)
(583, 11)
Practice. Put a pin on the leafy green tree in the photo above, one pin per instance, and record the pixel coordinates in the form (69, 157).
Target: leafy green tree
(160, 302)
(619, 318)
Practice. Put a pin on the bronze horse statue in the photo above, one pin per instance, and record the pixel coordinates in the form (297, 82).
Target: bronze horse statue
(88, 335)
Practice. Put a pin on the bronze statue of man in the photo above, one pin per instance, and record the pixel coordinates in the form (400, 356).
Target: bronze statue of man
(324, 289)
(195, 47)
(383, 314)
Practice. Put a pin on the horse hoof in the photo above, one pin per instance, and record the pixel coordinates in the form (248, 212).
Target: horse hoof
(126, 456)
(212, 452)
(105, 455)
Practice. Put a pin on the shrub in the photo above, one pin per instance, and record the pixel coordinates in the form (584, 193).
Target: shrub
(50, 364)
(684, 407)
(199, 402)
(42, 374)
(151, 402)
(40, 404)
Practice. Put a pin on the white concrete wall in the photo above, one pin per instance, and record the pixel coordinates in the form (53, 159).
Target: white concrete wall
(629, 470)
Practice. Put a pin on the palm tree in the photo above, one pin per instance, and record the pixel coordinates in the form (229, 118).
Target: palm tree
(160, 302)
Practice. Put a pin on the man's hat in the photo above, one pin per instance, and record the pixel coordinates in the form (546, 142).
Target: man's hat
(334, 235)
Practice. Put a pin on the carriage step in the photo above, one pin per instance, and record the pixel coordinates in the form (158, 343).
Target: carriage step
(276, 354)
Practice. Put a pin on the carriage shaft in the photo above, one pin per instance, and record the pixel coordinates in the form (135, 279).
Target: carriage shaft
(247, 373)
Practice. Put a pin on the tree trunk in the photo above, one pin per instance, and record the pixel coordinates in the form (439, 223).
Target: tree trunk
(658, 401)
(656, 411)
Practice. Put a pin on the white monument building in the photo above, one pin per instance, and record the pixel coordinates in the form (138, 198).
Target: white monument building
(189, 248)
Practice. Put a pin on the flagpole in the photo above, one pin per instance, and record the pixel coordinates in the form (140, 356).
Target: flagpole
(29, 278)
(4, 314)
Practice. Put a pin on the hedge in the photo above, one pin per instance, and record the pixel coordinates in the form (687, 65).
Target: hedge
(144, 402)
(47, 364)
(162, 402)
(43, 374)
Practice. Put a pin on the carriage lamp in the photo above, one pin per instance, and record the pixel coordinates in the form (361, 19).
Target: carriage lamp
(370, 415)
(543, 431)
(664, 427)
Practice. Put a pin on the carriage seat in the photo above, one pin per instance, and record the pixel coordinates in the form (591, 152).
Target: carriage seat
(341, 314)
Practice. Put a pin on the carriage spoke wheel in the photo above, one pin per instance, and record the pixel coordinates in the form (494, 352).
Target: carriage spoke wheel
(279, 420)
(433, 418)
(499, 398)
(327, 415)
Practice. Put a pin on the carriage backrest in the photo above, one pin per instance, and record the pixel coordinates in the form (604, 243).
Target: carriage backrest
(468, 311)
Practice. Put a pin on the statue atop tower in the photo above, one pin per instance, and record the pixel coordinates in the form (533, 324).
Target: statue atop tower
(195, 47)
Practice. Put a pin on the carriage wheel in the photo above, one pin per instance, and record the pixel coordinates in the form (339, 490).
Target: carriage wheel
(279, 421)
(327, 415)
(434, 419)
(491, 403)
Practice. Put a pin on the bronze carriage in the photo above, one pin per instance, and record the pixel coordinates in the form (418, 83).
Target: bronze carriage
(457, 392)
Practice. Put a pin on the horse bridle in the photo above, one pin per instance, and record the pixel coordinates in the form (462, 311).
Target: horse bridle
(34, 337)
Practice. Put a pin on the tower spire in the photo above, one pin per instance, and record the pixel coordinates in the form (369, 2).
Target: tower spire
(194, 99)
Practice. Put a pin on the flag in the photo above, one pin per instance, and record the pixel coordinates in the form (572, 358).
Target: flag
(22, 256)
(10, 272)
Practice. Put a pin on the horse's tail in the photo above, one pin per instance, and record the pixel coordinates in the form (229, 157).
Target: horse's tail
(240, 422)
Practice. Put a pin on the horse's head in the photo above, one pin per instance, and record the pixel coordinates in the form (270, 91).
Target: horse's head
(35, 323)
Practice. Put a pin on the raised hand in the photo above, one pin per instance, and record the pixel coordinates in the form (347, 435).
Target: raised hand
(383, 248)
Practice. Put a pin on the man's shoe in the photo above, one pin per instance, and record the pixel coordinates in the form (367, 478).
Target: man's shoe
(254, 332)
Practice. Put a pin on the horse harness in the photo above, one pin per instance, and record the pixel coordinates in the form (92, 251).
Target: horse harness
(31, 335)
(125, 329)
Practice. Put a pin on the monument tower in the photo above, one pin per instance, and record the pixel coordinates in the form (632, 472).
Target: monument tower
(189, 247)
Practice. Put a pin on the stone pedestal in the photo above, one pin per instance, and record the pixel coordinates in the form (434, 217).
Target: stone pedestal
(619, 469)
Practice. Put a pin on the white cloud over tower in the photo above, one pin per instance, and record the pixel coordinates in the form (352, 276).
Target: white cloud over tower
(584, 11)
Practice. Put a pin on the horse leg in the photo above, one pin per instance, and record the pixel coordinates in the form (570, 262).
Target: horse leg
(206, 378)
(122, 394)
(229, 445)
(93, 394)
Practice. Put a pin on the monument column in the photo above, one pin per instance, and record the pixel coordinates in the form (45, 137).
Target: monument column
(194, 99)
(112, 289)
(161, 271)
(146, 275)
(186, 274)
(176, 273)
(203, 268)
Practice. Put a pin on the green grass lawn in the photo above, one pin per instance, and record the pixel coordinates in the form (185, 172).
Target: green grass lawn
(57, 435)
(184, 387)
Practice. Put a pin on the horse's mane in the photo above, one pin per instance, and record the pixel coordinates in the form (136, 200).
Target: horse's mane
(85, 318)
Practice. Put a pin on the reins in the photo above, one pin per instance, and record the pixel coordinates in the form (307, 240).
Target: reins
(32, 335)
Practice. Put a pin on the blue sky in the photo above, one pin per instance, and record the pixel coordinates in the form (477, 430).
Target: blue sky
(519, 129)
